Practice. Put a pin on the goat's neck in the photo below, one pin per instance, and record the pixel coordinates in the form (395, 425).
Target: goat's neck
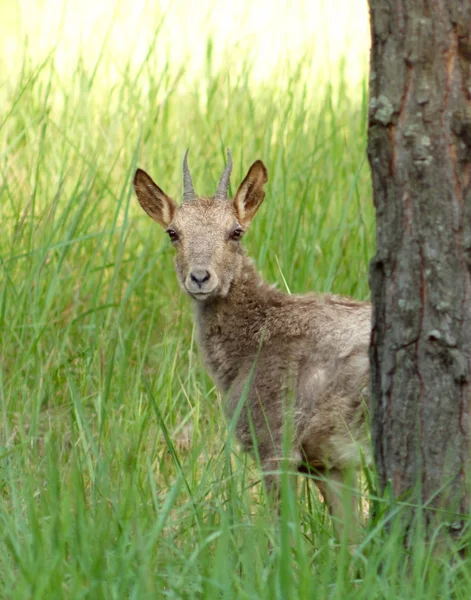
(232, 327)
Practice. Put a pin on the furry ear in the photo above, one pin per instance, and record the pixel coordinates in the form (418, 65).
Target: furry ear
(250, 194)
(153, 200)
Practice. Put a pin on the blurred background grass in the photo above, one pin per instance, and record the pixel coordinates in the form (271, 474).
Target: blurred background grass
(178, 33)
(118, 478)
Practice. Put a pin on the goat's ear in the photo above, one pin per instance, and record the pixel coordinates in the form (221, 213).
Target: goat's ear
(153, 200)
(250, 194)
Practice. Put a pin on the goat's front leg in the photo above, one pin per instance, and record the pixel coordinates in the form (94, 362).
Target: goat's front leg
(272, 466)
(271, 479)
(339, 490)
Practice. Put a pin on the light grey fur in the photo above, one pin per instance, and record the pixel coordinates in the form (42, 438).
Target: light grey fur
(304, 356)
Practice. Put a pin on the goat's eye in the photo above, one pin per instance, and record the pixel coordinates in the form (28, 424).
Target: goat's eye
(172, 234)
(237, 234)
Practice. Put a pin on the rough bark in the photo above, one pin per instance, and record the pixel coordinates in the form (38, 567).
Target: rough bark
(419, 150)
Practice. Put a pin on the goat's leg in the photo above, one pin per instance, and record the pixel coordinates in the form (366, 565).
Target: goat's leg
(271, 478)
(338, 488)
(271, 467)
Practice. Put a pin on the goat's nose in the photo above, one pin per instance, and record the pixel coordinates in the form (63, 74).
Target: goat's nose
(199, 276)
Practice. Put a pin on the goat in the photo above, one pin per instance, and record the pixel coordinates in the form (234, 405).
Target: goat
(261, 344)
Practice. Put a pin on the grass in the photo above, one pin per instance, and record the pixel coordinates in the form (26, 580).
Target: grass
(118, 478)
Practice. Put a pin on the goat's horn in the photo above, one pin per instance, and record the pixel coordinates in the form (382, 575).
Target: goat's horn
(223, 187)
(188, 190)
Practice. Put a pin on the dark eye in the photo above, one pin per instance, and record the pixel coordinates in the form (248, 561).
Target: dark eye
(172, 234)
(237, 234)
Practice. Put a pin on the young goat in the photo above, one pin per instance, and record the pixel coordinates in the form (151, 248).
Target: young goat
(265, 345)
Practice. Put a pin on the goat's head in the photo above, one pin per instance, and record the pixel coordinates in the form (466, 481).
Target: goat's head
(206, 232)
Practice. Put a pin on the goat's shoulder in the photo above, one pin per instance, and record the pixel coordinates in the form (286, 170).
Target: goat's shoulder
(317, 315)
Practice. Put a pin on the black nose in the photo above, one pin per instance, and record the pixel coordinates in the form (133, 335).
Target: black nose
(199, 276)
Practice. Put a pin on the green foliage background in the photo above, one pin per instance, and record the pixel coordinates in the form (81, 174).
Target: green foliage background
(118, 478)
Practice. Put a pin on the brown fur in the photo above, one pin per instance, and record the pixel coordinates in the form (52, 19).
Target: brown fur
(303, 357)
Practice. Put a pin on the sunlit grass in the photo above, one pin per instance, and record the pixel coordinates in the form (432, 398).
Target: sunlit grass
(118, 478)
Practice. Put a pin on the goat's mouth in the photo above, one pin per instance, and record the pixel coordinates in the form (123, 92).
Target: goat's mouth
(201, 296)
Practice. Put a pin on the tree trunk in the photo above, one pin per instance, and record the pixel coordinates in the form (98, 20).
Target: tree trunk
(419, 150)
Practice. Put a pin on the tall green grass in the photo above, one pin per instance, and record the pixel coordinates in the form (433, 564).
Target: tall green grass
(118, 478)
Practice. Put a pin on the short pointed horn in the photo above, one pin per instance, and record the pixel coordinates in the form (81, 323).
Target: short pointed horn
(223, 187)
(188, 190)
